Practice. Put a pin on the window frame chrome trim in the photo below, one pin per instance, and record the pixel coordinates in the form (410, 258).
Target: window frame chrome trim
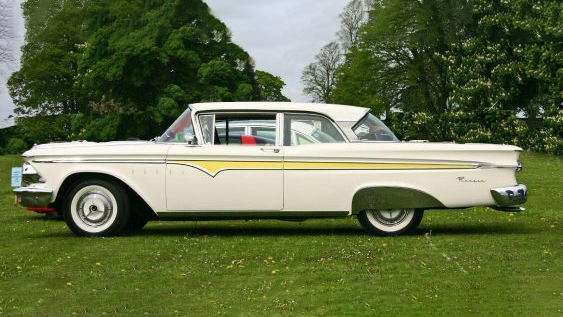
(215, 112)
(338, 128)
(372, 141)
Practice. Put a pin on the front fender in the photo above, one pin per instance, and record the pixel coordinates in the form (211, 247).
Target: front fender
(147, 180)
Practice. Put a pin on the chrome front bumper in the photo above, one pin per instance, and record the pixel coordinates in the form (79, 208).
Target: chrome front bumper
(510, 196)
(33, 196)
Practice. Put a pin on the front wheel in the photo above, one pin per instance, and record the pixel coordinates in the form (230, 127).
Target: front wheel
(96, 208)
(390, 222)
(137, 222)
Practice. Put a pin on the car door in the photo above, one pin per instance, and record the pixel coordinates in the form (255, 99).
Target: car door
(228, 170)
(314, 180)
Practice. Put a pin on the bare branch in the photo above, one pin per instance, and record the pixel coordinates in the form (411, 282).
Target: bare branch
(319, 77)
(7, 36)
(352, 18)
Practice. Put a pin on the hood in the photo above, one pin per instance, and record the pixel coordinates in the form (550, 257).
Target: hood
(75, 144)
(98, 149)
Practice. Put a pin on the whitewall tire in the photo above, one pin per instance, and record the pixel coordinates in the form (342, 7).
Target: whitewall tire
(390, 222)
(96, 208)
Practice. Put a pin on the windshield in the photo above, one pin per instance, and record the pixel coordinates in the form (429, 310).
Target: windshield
(372, 129)
(180, 129)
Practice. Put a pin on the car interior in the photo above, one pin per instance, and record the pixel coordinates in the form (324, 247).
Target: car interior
(233, 129)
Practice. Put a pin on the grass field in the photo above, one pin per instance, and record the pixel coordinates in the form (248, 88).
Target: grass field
(474, 262)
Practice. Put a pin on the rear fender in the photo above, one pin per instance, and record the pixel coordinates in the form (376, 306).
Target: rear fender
(392, 198)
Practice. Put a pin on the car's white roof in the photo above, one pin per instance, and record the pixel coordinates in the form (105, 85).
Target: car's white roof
(335, 112)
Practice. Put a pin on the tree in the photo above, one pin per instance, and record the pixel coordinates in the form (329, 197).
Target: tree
(319, 77)
(16, 146)
(352, 18)
(458, 70)
(117, 69)
(357, 84)
(510, 58)
(149, 59)
(270, 87)
(45, 82)
(399, 60)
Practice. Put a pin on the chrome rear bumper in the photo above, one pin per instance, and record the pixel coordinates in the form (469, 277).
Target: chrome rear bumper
(510, 196)
(33, 196)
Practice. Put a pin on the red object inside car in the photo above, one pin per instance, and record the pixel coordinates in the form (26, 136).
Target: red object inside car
(247, 140)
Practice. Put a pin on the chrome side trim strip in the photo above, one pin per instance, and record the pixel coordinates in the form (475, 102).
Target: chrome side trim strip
(489, 165)
(222, 214)
(127, 161)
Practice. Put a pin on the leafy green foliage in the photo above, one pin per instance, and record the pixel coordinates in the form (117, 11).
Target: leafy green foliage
(126, 68)
(43, 129)
(510, 58)
(45, 82)
(490, 126)
(156, 57)
(397, 61)
(15, 146)
(270, 87)
(461, 70)
(355, 85)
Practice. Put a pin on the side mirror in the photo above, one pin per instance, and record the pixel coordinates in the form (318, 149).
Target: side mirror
(191, 139)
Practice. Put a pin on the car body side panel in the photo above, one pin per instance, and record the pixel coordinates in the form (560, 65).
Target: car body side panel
(333, 190)
(327, 176)
(224, 178)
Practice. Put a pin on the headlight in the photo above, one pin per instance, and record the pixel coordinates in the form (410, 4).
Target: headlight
(30, 175)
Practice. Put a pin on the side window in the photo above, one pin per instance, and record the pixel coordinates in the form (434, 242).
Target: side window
(227, 132)
(181, 130)
(239, 129)
(264, 132)
(372, 129)
(301, 139)
(307, 129)
(206, 122)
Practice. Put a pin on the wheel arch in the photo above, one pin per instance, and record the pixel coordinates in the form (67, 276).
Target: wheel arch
(136, 200)
(391, 197)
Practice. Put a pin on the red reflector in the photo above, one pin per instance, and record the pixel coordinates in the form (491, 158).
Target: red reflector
(41, 209)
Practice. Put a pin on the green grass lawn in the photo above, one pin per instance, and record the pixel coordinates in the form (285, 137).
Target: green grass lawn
(473, 262)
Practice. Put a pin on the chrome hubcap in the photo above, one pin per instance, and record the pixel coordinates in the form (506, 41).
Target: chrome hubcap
(390, 217)
(94, 208)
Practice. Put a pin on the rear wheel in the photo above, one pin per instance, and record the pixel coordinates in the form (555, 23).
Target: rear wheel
(96, 208)
(390, 222)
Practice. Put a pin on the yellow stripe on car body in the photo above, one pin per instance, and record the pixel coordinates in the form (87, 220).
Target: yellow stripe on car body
(367, 166)
(215, 167)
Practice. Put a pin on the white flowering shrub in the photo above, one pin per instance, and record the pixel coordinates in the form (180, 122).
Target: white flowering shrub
(492, 126)
(553, 126)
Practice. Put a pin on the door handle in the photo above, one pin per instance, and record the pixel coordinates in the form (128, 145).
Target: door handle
(275, 150)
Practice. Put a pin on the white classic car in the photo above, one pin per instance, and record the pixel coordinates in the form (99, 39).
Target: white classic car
(267, 160)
